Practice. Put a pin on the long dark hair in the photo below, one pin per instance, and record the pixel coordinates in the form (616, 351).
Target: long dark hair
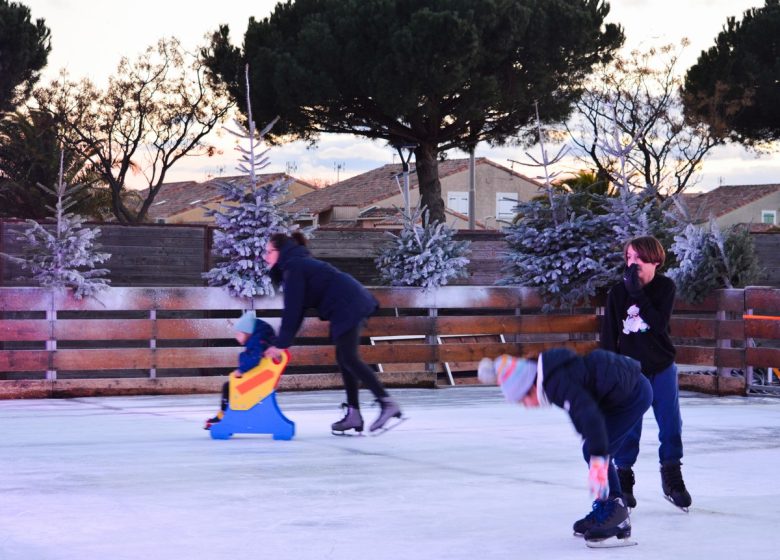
(279, 240)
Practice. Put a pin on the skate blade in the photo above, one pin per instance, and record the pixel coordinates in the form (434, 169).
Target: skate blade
(347, 434)
(389, 425)
(610, 542)
(681, 508)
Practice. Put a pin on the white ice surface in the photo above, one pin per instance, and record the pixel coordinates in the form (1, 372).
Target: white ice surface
(467, 477)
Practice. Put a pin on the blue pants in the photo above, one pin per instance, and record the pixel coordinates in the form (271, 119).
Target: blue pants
(666, 407)
(621, 422)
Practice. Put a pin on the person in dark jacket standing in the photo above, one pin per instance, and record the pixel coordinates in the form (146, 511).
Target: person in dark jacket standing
(636, 324)
(338, 298)
(605, 396)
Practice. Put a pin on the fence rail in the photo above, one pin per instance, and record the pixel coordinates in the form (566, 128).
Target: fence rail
(180, 339)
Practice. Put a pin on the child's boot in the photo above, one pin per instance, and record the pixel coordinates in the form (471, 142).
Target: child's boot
(581, 526)
(611, 521)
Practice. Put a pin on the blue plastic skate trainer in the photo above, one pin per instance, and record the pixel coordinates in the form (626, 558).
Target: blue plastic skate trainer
(253, 408)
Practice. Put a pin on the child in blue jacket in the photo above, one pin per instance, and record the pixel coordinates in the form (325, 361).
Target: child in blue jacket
(605, 395)
(254, 335)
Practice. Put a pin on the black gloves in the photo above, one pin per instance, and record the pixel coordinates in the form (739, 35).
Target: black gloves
(631, 281)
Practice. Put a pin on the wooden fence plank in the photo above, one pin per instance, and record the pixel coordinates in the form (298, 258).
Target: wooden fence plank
(764, 299)
(763, 357)
(762, 327)
(223, 357)
(24, 360)
(26, 330)
(103, 358)
(688, 327)
(103, 329)
(24, 299)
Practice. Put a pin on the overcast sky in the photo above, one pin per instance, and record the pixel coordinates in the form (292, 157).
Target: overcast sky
(90, 36)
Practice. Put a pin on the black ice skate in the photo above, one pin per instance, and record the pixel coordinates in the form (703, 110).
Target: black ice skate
(626, 476)
(674, 487)
(581, 526)
(611, 526)
(352, 420)
(390, 409)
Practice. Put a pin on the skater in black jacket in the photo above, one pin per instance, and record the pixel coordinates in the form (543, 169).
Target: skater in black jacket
(338, 298)
(605, 396)
(636, 324)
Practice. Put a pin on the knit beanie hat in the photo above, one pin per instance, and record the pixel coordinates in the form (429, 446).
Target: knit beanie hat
(246, 323)
(514, 375)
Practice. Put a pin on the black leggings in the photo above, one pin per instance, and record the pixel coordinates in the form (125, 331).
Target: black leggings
(353, 369)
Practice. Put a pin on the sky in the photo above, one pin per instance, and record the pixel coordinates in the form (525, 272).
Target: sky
(467, 477)
(90, 36)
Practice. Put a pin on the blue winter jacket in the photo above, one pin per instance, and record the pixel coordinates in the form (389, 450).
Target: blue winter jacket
(308, 282)
(588, 388)
(256, 345)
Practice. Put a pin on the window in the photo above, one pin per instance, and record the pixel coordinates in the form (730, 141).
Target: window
(769, 217)
(458, 201)
(505, 206)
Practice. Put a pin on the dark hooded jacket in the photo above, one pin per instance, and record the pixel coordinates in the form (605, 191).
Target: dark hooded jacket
(261, 336)
(589, 388)
(308, 282)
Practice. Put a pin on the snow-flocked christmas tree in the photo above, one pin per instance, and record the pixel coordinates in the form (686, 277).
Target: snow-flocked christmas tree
(64, 254)
(710, 259)
(569, 249)
(423, 254)
(248, 216)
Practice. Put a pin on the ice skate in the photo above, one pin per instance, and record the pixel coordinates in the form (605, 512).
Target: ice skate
(611, 526)
(674, 487)
(352, 420)
(626, 476)
(581, 526)
(390, 409)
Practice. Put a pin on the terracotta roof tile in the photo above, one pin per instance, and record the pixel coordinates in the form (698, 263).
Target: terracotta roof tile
(174, 198)
(725, 199)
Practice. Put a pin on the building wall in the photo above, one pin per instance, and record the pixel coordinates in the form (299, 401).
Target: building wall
(751, 213)
(490, 181)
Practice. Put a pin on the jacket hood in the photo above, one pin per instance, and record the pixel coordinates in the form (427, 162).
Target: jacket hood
(289, 251)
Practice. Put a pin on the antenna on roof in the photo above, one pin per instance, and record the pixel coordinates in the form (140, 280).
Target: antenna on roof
(338, 166)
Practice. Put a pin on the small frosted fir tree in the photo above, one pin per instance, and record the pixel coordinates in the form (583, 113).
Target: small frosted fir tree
(710, 259)
(567, 256)
(249, 215)
(423, 254)
(63, 255)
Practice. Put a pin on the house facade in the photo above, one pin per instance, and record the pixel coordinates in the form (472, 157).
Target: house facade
(186, 202)
(757, 205)
(370, 200)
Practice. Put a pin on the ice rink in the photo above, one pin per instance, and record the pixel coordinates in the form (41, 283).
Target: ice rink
(466, 477)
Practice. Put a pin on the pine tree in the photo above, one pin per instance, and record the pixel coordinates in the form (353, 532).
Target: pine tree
(568, 247)
(246, 219)
(567, 256)
(63, 256)
(423, 254)
(710, 259)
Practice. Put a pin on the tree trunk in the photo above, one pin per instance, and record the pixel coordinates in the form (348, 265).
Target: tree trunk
(428, 178)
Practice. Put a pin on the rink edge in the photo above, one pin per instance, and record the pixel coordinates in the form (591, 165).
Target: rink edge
(66, 388)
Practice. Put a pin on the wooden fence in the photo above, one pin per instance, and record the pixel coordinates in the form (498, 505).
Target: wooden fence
(179, 340)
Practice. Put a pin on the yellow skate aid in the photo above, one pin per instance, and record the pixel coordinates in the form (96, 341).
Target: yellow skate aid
(253, 408)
